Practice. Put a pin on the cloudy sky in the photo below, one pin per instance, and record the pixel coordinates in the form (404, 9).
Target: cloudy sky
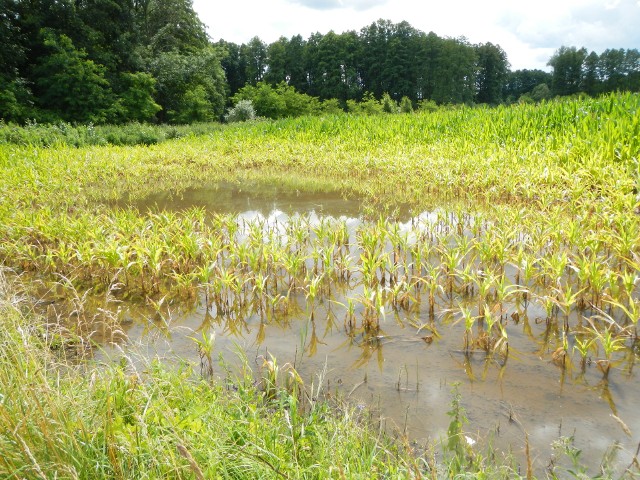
(528, 31)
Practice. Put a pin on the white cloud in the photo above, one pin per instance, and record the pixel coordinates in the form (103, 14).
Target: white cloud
(359, 5)
(528, 32)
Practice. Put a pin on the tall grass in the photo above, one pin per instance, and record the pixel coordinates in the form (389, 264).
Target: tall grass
(61, 419)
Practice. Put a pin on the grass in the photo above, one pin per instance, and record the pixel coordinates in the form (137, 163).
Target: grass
(51, 135)
(116, 421)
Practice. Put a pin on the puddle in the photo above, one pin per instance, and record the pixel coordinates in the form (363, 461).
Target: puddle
(249, 199)
(405, 369)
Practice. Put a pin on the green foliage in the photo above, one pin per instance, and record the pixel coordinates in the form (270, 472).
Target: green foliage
(282, 101)
(265, 99)
(71, 86)
(16, 101)
(194, 106)
(297, 104)
(172, 26)
(541, 92)
(255, 60)
(71, 61)
(190, 87)
(427, 106)
(331, 106)
(491, 74)
(567, 70)
(48, 135)
(523, 81)
(368, 106)
(389, 105)
(137, 99)
(242, 112)
(405, 105)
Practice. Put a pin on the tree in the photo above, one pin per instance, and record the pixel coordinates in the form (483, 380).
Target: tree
(540, 92)
(612, 69)
(523, 81)
(567, 65)
(455, 72)
(255, 60)
(405, 105)
(109, 34)
(16, 101)
(389, 105)
(194, 106)
(335, 74)
(179, 77)
(12, 53)
(70, 86)
(591, 75)
(234, 65)
(172, 25)
(277, 62)
(632, 68)
(491, 73)
(375, 69)
(137, 99)
(401, 65)
(295, 66)
(429, 47)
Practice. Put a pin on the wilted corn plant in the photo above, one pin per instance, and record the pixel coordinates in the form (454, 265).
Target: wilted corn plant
(538, 204)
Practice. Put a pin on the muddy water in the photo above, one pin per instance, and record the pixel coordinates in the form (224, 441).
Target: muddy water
(250, 199)
(405, 372)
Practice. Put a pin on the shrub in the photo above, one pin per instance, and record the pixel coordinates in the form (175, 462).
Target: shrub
(389, 105)
(369, 105)
(405, 105)
(242, 112)
(331, 106)
(427, 106)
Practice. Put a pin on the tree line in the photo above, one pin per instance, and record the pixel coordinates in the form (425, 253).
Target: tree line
(116, 61)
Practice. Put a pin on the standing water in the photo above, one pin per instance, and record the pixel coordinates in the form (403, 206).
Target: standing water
(397, 334)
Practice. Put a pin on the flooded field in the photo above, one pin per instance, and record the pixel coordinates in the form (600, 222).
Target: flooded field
(390, 314)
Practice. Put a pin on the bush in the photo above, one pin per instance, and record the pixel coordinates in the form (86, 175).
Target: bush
(540, 92)
(331, 106)
(405, 105)
(369, 105)
(427, 106)
(242, 112)
(389, 105)
(279, 102)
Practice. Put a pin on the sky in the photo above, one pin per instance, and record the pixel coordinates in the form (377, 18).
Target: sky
(529, 32)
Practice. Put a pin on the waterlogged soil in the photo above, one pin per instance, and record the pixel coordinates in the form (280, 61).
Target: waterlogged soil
(405, 371)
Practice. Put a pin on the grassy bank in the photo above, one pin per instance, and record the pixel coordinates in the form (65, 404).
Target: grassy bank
(62, 419)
